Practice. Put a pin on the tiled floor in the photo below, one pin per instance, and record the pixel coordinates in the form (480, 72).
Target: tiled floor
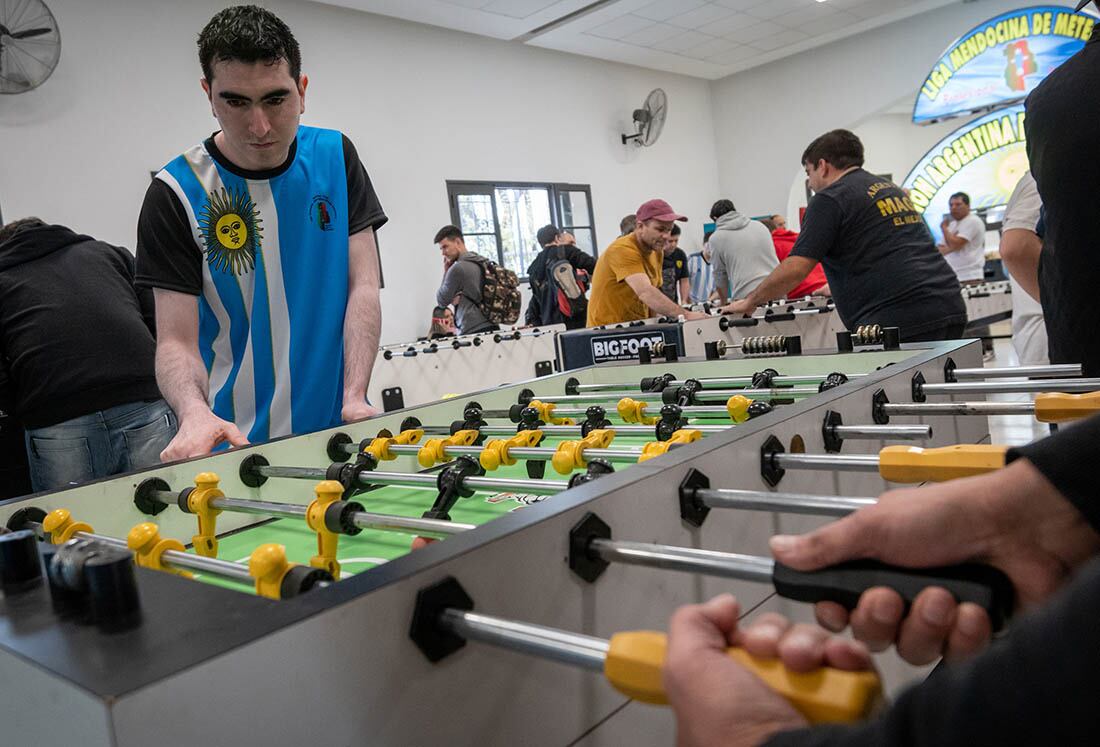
(1012, 430)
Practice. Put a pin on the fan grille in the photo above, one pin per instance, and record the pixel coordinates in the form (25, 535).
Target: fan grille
(30, 45)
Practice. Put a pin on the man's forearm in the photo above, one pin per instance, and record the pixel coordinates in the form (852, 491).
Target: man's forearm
(182, 378)
(362, 331)
(447, 289)
(1020, 252)
(783, 280)
(685, 291)
(659, 302)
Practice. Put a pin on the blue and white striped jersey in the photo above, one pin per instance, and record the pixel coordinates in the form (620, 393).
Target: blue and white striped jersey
(274, 281)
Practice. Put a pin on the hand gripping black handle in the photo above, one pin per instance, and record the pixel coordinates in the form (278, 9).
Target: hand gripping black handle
(983, 585)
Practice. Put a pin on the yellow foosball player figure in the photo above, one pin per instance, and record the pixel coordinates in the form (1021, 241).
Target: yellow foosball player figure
(1037, 520)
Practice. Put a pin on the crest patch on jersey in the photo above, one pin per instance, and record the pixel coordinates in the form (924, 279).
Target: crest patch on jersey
(231, 231)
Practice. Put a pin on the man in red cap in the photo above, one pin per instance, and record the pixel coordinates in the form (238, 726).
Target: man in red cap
(626, 285)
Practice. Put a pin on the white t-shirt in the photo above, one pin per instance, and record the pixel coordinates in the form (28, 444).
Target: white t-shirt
(968, 262)
(1029, 335)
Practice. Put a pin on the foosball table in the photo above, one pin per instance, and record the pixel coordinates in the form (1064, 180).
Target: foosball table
(455, 572)
(412, 373)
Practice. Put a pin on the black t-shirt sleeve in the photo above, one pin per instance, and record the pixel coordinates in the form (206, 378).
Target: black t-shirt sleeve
(167, 256)
(1067, 459)
(820, 228)
(364, 209)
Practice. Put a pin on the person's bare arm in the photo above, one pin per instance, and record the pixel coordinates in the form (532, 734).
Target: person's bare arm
(952, 242)
(182, 378)
(1020, 250)
(783, 279)
(655, 300)
(685, 291)
(362, 324)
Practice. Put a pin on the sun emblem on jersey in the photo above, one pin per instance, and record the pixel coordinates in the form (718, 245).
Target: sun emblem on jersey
(230, 225)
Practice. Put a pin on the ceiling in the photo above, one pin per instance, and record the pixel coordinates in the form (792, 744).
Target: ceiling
(702, 38)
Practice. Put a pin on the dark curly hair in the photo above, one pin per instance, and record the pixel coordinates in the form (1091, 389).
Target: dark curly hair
(248, 34)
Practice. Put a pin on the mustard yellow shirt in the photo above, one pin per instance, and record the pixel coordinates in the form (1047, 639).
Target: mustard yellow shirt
(611, 300)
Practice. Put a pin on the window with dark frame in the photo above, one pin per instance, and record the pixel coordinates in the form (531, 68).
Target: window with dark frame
(500, 219)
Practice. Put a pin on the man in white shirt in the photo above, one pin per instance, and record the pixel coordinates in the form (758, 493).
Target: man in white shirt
(1020, 250)
(964, 240)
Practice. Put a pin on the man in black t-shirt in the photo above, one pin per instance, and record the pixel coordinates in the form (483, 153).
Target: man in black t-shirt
(1063, 147)
(674, 271)
(550, 296)
(260, 246)
(879, 256)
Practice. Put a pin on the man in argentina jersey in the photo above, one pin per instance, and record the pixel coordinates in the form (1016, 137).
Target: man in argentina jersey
(259, 245)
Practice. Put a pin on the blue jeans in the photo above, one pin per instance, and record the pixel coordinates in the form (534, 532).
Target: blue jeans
(118, 439)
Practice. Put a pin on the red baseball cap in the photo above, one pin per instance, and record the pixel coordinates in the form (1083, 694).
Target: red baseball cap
(658, 210)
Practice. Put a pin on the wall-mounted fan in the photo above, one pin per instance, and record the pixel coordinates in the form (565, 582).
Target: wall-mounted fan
(649, 120)
(30, 45)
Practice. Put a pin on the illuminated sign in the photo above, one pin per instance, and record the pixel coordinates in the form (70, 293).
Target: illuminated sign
(984, 158)
(1001, 61)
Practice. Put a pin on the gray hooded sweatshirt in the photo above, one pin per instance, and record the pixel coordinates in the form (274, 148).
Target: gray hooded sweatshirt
(742, 254)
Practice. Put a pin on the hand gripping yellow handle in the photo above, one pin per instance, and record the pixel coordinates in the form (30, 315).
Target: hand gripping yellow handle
(1062, 408)
(636, 659)
(910, 464)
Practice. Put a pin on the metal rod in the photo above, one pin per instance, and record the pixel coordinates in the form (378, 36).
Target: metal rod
(179, 560)
(899, 432)
(574, 649)
(711, 395)
(265, 508)
(689, 410)
(835, 462)
(408, 525)
(362, 519)
(959, 408)
(708, 562)
(538, 454)
(787, 503)
(422, 480)
(1067, 369)
(718, 382)
(703, 395)
(1011, 387)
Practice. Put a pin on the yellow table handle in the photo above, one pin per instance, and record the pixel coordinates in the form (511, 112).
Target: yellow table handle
(636, 659)
(1062, 408)
(912, 464)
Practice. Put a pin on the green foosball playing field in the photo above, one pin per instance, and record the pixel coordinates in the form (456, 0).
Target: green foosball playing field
(372, 547)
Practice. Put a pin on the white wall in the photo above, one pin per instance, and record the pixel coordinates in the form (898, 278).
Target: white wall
(893, 145)
(765, 117)
(422, 105)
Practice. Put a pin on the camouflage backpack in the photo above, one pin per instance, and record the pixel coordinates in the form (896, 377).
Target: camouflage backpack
(500, 298)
